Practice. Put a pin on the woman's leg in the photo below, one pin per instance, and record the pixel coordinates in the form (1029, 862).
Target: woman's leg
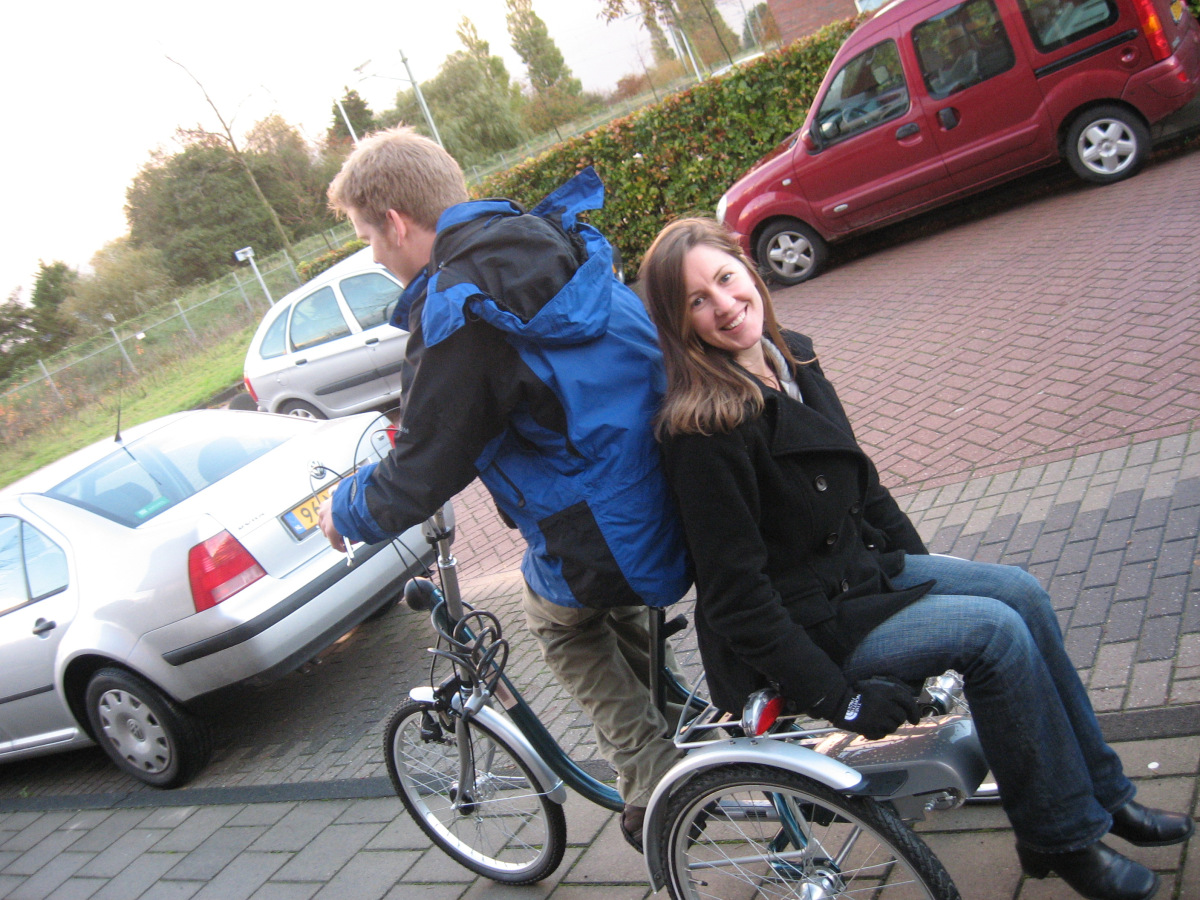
(1021, 592)
(1023, 726)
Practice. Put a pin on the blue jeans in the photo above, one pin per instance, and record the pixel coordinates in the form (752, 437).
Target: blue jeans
(1059, 781)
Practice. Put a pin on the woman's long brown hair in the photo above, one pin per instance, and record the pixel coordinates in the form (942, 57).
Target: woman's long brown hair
(707, 392)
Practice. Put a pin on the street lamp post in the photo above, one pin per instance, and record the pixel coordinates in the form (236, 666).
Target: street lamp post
(416, 89)
(247, 254)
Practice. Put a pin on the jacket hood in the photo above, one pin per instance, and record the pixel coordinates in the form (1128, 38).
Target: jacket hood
(542, 276)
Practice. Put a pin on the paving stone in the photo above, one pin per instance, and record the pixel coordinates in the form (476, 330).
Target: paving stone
(327, 852)
(217, 851)
(1160, 639)
(123, 851)
(300, 826)
(368, 875)
(241, 877)
(1134, 581)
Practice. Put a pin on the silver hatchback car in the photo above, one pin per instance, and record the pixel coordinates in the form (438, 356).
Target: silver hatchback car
(328, 349)
(141, 577)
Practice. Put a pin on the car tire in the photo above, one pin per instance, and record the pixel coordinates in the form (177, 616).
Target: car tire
(1107, 144)
(243, 401)
(789, 252)
(301, 410)
(146, 733)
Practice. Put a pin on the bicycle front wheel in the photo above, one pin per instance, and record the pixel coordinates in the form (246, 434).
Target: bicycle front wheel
(500, 825)
(747, 831)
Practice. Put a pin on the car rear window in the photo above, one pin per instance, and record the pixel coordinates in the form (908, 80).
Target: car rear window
(145, 477)
(1056, 23)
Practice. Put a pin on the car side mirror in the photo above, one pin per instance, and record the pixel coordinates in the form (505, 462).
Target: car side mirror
(810, 143)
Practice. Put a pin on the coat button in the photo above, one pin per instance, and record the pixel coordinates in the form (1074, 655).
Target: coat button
(845, 585)
(831, 538)
(855, 509)
(821, 483)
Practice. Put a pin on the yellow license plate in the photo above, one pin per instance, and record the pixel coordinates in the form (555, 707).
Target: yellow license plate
(300, 520)
(1177, 10)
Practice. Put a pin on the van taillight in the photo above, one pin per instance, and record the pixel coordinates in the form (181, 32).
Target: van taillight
(218, 568)
(250, 389)
(1152, 27)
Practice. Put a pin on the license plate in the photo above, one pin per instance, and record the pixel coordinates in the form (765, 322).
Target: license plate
(301, 519)
(1177, 10)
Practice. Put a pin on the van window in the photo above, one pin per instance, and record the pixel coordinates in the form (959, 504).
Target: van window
(961, 47)
(867, 90)
(1056, 23)
(369, 297)
(317, 319)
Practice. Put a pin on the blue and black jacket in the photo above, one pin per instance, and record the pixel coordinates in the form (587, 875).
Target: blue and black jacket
(531, 366)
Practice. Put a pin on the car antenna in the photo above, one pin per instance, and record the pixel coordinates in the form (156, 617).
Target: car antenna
(120, 379)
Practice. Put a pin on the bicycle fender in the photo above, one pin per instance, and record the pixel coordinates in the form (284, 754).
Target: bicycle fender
(548, 783)
(777, 754)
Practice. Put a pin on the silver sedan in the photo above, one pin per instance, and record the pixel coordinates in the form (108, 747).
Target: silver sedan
(143, 576)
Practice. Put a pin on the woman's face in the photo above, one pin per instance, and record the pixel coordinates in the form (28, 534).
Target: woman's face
(723, 301)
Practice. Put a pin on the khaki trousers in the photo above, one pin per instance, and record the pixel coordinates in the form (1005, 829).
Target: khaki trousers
(601, 657)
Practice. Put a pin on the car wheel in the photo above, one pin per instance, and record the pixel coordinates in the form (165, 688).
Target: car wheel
(789, 252)
(301, 410)
(146, 733)
(1106, 144)
(243, 401)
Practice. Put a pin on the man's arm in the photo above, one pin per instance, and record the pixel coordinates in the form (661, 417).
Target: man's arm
(454, 406)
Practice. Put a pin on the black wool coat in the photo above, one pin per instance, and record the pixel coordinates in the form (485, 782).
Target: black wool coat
(793, 540)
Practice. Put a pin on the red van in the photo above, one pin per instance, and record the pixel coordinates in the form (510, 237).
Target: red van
(934, 99)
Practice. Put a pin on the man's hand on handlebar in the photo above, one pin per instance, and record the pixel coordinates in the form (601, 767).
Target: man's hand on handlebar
(325, 520)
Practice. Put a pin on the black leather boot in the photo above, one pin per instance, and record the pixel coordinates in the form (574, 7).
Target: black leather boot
(1145, 827)
(1096, 872)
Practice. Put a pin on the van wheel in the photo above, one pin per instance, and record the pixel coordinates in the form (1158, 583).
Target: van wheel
(789, 252)
(301, 410)
(1106, 144)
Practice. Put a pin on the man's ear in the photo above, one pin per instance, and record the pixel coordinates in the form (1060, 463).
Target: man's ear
(401, 223)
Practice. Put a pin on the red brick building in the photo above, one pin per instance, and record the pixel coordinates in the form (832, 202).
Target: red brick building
(797, 18)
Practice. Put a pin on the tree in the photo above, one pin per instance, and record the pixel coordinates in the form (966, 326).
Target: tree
(16, 334)
(760, 29)
(193, 206)
(360, 116)
(557, 96)
(698, 22)
(293, 175)
(474, 101)
(543, 60)
(126, 281)
(228, 137)
(54, 285)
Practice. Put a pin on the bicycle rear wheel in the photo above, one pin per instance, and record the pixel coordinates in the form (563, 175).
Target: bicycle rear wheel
(502, 826)
(746, 831)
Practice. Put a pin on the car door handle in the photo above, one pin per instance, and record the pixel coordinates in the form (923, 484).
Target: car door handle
(373, 340)
(907, 130)
(301, 362)
(948, 116)
(41, 626)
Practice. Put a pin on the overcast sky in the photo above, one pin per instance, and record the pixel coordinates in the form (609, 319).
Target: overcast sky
(88, 91)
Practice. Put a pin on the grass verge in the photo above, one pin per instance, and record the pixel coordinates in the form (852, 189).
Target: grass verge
(185, 385)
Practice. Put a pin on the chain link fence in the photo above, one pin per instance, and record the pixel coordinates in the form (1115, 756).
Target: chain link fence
(134, 349)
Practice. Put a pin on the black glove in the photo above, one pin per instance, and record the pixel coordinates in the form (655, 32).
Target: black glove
(876, 707)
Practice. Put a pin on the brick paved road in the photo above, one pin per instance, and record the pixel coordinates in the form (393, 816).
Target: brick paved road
(1004, 378)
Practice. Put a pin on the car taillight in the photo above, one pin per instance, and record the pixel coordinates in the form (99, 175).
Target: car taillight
(250, 389)
(1152, 27)
(218, 568)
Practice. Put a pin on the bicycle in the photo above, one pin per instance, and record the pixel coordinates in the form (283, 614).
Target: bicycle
(771, 806)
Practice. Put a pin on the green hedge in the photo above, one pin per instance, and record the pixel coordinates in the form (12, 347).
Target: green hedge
(677, 157)
(314, 267)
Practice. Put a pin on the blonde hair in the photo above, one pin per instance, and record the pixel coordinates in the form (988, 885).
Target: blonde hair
(707, 392)
(401, 170)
